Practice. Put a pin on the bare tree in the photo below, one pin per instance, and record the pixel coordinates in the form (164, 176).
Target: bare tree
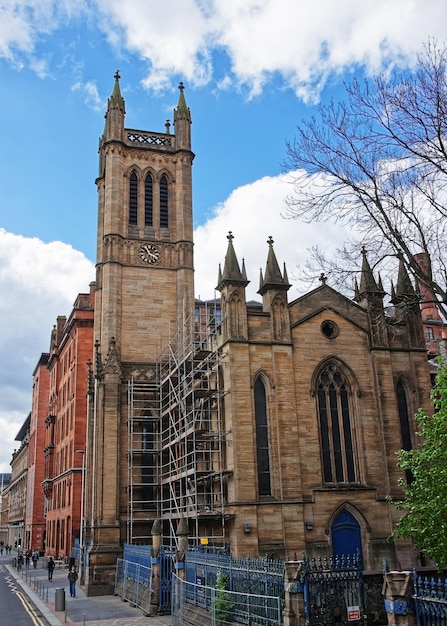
(377, 162)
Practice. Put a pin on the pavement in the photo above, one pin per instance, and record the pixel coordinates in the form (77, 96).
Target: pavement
(88, 611)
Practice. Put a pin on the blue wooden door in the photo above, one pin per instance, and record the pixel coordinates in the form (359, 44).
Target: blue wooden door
(346, 539)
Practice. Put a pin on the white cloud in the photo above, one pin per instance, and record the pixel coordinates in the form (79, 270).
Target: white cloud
(304, 43)
(91, 94)
(38, 282)
(253, 213)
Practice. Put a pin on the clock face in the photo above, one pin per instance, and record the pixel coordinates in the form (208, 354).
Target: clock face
(149, 253)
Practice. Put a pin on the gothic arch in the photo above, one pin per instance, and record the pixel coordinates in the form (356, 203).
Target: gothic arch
(405, 409)
(133, 197)
(164, 201)
(149, 170)
(351, 377)
(262, 436)
(164, 172)
(348, 530)
(353, 510)
(333, 387)
(148, 187)
(279, 318)
(406, 382)
(235, 315)
(265, 379)
(134, 168)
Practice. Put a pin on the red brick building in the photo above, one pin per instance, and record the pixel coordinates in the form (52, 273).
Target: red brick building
(35, 506)
(435, 328)
(65, 432)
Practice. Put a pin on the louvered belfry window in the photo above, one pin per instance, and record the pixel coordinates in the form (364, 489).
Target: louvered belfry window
(148, 201)
(133, 199)
(164, 219)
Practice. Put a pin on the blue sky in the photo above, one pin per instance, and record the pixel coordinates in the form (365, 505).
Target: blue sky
(252, 70)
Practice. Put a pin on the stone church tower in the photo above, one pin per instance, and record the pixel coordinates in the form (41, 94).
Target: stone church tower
(144, 289)
(272, 429)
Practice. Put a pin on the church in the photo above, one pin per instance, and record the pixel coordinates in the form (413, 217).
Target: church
(270, 428)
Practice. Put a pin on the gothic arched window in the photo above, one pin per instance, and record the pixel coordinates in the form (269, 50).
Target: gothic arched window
(335, 426)
(262, 439)
(164, 220)
(133, 199)
(402, 407)
(148, 201)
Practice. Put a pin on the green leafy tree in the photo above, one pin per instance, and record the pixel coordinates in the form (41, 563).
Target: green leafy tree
(425, 502)
(223, 604)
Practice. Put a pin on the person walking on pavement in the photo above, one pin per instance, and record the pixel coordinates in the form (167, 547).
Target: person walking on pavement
(35, 558)
(72, 578)
(50, 567)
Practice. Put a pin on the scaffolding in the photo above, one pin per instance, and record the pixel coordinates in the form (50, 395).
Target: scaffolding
(143, 454)
(177, 437)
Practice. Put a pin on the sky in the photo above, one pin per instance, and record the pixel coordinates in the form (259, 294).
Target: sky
(252, 69)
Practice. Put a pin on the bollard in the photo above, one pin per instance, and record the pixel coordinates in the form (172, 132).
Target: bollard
(59, 603)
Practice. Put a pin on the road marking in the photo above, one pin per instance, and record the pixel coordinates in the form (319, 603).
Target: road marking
(30, 609)
(11, 583)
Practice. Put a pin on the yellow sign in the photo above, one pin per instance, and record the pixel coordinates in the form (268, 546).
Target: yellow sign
(204, 541)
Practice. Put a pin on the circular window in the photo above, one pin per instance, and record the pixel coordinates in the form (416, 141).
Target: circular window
(329, 329)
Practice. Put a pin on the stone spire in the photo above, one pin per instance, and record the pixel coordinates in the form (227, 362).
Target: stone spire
(368, 285)
(232, 274)
(273, 278)
(404, 288)
(407, 307)
(116, 110)
(370, 296)
(182, 122)
(231, 284)
(116, 100)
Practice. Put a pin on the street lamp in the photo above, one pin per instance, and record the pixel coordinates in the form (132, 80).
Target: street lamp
(81, 529)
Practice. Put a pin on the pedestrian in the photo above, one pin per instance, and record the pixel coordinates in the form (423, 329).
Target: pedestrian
(50, 567)
(27, 557)
(73, 577)
(20, 561)
(35, 558)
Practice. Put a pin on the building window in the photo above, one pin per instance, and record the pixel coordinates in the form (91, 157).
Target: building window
(148, 201)
(262, 439)
(335, 426)
(329, 329)
(404, 421)
(429, 333)
(133, 199)
(216, 315)
(164, 222)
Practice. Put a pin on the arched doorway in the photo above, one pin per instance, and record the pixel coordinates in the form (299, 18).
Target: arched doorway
(346, 537)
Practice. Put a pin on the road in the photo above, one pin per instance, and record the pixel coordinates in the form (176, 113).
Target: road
(15, 608)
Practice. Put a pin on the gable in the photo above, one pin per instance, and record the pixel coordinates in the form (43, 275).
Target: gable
(327, 299)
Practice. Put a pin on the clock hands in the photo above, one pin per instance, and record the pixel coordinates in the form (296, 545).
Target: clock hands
(149, 253)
